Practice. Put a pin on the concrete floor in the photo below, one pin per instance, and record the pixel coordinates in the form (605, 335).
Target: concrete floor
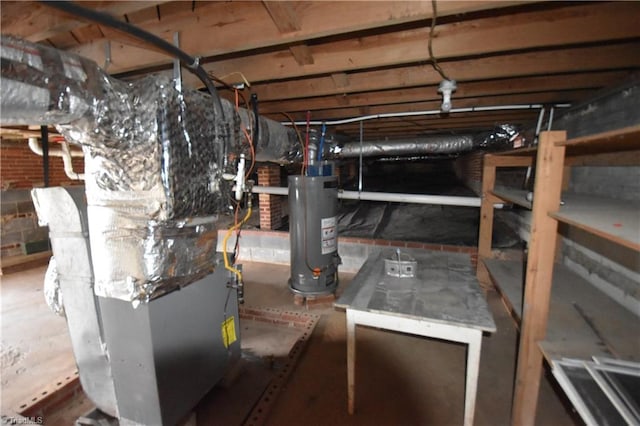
(400, 379)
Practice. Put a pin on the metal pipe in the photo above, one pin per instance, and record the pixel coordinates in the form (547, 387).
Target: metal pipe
(426, 112)
(539, 125)
(44, 133)
(360, 169)
(443, 200)
(550, 119)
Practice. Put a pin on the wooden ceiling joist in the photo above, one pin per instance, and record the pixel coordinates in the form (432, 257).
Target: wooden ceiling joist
(614, 57)
(35, 21)
(534, 98)
(341, 59)
(523, 85)
(482, 36)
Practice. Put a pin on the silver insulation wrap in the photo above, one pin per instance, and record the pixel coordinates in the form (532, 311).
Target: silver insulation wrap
(52, 291)
(154, 160)
(500, 137)
(417, 146)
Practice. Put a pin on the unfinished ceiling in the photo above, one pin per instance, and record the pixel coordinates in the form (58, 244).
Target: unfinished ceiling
(345, 59)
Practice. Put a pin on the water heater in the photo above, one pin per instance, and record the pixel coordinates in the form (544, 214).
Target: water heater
(313, 211)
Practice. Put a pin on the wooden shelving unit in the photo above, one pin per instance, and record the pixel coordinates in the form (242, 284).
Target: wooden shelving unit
(565, 316)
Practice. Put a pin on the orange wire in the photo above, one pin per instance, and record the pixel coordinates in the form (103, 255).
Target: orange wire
(249, 139)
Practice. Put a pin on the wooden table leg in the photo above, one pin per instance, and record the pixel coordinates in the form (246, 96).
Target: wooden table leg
(473, 368)
(351, 360)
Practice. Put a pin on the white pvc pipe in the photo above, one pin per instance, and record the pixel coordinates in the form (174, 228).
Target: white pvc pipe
(37, 149)
(68, 163)
(271, 190)
(443, 200)
(418, 113)
(64, 152)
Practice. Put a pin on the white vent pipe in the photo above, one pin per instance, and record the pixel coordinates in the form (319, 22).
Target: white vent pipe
(443, 200)
(63, 152)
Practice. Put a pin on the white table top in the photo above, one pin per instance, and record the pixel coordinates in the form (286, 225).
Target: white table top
(444, 290)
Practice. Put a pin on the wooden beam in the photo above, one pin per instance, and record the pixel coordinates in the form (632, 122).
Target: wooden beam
(472, 125)
(534, 98)
(454, 40)
(537, 289)
(340, 79)
(508, 161)
(617, 56)
(467, 117)
(88, 33)
(555, 27)
(121, 38)
(465, 89)
(302, 54)
(35, 21)
(240, 26)
(283, 15)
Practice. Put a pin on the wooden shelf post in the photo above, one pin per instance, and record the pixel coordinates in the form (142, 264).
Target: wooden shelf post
(486, 220)
(542, 245)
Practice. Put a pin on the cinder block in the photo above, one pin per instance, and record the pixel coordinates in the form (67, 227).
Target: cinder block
(281, 256)
(18, 224)
(10, 252)
(37, 234)
(351, 264)
(26, 207)
(11, 238)
(352, 250)
(259, 254)
(275, 241)
(8, 208)
(15, 195)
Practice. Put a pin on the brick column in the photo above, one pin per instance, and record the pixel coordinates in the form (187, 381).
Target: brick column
(270, 205)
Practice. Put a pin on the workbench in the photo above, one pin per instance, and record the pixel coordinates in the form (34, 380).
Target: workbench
(425, 293)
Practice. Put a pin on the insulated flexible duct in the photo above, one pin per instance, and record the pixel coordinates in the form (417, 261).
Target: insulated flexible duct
(417, 146)
(501, 136)
(156, 157)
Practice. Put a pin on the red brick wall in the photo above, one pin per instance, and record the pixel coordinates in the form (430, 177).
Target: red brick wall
(468, 169)
(21, 168)
(271, 211)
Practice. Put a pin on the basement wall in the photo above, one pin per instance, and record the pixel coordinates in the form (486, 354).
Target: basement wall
(468, 169)
(20, 171)
(274, 247)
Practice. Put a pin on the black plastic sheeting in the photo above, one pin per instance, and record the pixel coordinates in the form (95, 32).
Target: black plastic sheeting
(423, 223)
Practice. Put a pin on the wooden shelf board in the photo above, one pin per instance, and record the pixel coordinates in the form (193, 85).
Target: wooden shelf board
(626, 139)
(526, 151)
(611, 330)
(615, 220)
(515, 196)
(507, 275)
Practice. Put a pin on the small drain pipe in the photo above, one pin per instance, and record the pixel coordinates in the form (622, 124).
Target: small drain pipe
(66, 153)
